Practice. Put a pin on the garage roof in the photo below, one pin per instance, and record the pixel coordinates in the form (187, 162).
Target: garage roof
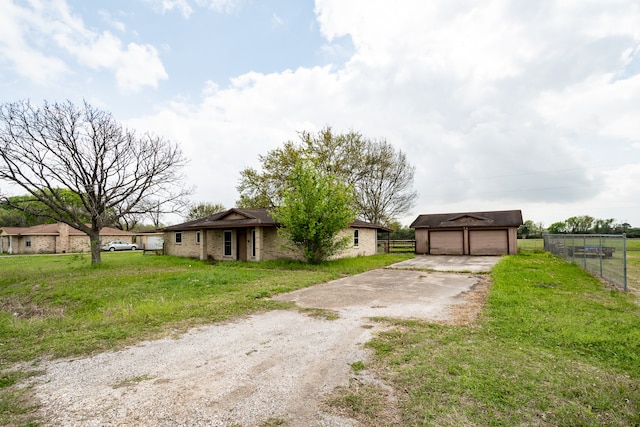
(470, 219)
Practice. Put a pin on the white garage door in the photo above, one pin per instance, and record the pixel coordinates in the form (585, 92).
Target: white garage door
(446, 243)
(154, 243)
(488, 242)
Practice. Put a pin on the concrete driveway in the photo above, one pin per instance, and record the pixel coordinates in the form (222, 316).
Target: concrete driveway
(455, 263)
(278, 365)
(423, 287)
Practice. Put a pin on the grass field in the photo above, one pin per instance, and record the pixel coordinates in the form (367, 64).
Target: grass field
(633, 264)
(55, 306)
(633, 259)
(553, 346)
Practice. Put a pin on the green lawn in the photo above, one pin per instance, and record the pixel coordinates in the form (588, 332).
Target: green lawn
(530, 244)
(55, 306)
(633, 259)
(633, 264)
(553, 347)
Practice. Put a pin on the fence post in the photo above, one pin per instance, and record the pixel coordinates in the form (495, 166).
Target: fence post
(624, 256)
(600, 253)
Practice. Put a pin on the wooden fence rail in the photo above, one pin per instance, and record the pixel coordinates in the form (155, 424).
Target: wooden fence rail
(395, 246)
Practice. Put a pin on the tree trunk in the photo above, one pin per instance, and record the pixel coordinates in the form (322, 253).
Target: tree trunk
(94, 242)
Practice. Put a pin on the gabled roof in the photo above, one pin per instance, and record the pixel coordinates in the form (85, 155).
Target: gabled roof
(53, 230)
(232, 218)
(470, 219)
(364, 224)
(244, 218)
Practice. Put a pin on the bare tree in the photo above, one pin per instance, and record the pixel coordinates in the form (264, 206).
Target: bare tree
(112, 170)
(384, 183)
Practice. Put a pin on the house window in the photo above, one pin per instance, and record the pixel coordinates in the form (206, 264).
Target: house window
(197, 237)
(227, 243)
(253, 243)
(178, 237)
(28, 243)
(356, 238)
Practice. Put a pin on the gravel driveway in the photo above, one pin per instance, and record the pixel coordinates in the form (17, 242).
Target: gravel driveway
(267, 369)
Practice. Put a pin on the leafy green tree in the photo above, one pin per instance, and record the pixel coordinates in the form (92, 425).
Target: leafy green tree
(523, 230)
(579, 224)
(203, 210)
(34, 212)
(381, 176)
(530, 230)
(604, 226)
(316, 207)
(12, 218)
(401, 232)
(110, 169)
(559, 227)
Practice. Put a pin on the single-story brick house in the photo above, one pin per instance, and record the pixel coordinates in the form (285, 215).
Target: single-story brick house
(468, 233)
(251, 235)
(53, 238)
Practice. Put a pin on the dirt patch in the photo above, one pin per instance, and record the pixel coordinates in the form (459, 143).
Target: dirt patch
(30, 310)
(467, 314)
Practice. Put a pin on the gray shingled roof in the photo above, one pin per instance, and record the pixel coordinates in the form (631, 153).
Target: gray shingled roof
(53, 230)
(470, 219)
(252, 218)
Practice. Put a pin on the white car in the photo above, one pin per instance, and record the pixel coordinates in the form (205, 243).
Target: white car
(119, 245)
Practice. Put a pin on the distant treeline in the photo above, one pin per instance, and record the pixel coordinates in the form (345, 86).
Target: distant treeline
(584, 224)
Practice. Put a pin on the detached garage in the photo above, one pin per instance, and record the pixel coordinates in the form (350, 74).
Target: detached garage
(470, 233)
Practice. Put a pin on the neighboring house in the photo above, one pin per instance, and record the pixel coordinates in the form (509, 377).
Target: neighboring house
(468, 233)
(251, 235)
(53, 238)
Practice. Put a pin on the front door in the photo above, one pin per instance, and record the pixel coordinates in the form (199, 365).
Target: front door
(242, 244)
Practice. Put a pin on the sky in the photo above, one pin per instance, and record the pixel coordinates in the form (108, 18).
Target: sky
(498, 104)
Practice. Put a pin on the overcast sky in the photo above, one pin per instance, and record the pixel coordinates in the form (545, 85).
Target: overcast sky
(531, 105)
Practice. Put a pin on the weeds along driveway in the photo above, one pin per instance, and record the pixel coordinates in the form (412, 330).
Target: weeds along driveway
(268, 369)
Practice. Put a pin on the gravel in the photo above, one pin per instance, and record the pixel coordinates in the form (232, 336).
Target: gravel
(264, 370)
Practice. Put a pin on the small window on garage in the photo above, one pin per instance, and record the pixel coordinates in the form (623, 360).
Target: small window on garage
(178, 237)
(197, 237)
(28, 243)
(356, 238)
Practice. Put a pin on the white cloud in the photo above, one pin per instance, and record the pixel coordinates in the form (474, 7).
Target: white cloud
(499, 105)
(18, 52)
(223, 6)
(599, 105)
(33, 36)
(185, 8)
(106, 17)
(277, 21)
(139, 66)
(164, 6)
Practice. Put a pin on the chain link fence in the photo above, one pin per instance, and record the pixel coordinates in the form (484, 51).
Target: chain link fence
(603, 255)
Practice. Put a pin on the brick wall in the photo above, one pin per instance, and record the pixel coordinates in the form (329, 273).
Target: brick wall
(367, 242)
(273, 247)
(39, 244)
(62, 241)
(187, 248)
(269, 246)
